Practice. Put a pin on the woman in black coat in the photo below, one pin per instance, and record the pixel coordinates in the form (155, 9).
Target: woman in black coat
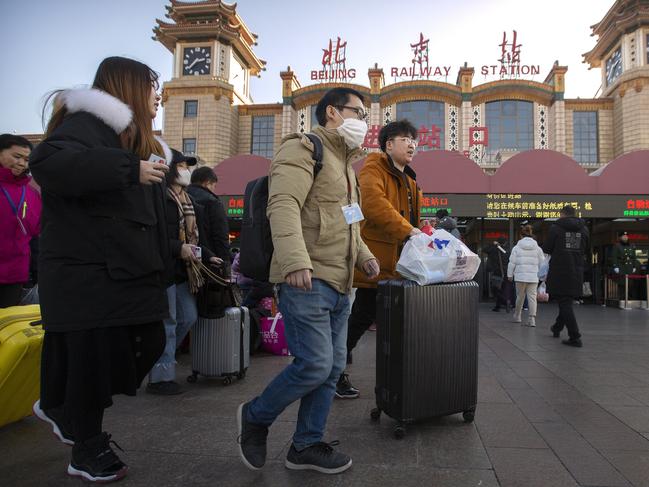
(102, 252)
(187, 235)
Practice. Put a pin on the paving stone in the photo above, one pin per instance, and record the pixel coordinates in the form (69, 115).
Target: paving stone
(503, 425)
(516, 467)
(585, 464)
(530, 369)
(633, 465)
(602, 429)
(534, 407)
(490, 391)
(634, 417)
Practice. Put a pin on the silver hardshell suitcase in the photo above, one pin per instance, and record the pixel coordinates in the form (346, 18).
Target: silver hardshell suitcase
(221, 347)
(426, 351)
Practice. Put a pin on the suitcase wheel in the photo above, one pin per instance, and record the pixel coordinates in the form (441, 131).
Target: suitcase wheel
(192, 378)
(399, 431)
(468, 416)
(227, 381)
(375, 414)
(241, 375)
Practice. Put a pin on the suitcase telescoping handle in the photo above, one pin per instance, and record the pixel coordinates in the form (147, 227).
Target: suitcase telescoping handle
(241, 338)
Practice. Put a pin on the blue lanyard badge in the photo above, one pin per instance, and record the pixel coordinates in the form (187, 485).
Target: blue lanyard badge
(15, 208)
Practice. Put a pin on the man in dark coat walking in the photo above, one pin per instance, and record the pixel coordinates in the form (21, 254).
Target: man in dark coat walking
(497, 261)
(202, 192)
(567, 242)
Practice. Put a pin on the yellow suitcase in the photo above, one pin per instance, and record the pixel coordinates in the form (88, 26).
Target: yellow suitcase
(21, 343)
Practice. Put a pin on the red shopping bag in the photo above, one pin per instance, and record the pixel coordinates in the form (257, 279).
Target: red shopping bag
(272, 335)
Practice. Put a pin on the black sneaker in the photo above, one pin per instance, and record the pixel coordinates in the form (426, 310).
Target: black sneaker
(320, 457)
(344, 388)
(54, 417)
(165, 388)
(496, 309)
(573, 342)
(556, 331)
(252, 440)
(94, 460)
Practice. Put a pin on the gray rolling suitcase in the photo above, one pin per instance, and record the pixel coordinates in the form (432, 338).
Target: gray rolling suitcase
(426, 351)
(221, 347)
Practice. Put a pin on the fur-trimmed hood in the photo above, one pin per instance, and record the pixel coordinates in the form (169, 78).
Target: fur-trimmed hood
(110, 110)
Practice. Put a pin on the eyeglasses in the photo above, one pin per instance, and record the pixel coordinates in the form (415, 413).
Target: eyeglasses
(408, 140)
(360, 113)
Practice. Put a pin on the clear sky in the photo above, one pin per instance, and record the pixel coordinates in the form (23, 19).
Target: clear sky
(53, 44)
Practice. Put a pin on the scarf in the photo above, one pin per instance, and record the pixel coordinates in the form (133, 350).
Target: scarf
(187, 233)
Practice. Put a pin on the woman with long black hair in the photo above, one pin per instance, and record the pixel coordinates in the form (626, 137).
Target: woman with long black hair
(102, 253)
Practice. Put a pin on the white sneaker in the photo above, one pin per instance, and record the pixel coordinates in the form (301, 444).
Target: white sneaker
(532, 321)
(516, 318)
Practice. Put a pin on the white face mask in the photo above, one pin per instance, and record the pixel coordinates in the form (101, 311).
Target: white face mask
(184, 177)
(352, 130)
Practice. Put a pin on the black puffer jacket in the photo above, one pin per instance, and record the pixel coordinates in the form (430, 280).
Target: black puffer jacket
(218, 239)
(567, 241)
(104, 240)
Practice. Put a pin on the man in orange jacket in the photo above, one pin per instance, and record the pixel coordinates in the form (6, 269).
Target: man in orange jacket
(391, 203)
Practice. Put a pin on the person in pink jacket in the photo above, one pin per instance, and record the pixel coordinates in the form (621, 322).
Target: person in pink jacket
(20, 215)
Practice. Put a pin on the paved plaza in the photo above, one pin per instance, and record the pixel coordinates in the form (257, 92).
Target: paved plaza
(548, 416)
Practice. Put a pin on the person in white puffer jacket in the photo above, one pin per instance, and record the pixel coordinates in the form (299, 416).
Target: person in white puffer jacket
(523, 268)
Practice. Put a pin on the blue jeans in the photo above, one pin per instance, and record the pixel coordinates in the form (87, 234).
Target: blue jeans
(182, 316)
(315, 324)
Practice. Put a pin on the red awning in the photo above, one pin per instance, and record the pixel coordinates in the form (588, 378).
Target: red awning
(443, 171)
(542, 172)
(529, 172)
(235, 173)
(628, 174)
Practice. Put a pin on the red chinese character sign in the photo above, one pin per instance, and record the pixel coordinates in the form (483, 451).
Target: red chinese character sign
(510, 60)
(478, 142)
(334, 59)
(419, 64)
(372, 137)
(420, 59)
(334, 56)
(510, 52)
(429, 139)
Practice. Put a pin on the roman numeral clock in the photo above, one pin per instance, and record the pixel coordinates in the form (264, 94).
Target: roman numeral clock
(197, 60)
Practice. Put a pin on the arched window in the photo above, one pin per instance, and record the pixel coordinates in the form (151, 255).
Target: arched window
(429, 118)
(510, 124)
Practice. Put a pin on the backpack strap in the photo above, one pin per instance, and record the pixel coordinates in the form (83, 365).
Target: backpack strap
(317, 152)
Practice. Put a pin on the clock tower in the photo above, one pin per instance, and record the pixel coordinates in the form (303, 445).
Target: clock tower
(622, 54)
(213, 61)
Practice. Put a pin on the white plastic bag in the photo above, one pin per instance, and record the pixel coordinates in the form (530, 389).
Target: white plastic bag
(542, 295)
(439, 257)
(544, 268)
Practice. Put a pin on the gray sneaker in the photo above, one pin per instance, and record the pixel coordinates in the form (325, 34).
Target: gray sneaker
(320, 457)
(252, 440)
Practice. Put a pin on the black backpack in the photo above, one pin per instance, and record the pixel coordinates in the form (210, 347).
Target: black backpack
(256, 240)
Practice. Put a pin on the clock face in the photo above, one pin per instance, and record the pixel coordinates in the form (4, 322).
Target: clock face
(197, 60)
(614, 66)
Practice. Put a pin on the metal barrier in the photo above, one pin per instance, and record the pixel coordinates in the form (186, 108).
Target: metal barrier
(612, 291)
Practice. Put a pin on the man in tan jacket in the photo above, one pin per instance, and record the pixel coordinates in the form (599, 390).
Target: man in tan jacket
(315, 226)
(391, 205)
